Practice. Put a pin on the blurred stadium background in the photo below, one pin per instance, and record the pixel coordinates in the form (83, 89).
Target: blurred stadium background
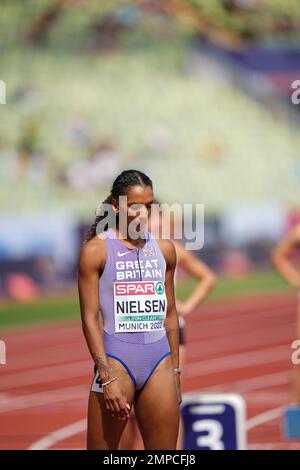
(196, 93)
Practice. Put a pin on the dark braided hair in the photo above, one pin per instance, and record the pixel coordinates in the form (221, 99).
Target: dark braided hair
(119, 188)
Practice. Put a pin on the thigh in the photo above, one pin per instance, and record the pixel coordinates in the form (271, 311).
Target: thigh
(130, 434)
(104, 431)
(157, 409)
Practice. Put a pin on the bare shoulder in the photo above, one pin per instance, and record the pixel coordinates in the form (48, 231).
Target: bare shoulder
(168, 250)
(93, 253)
(181, 252)
(292, 239)
(295, 233)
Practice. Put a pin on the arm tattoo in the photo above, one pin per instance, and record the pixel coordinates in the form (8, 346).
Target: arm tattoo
(101, 362)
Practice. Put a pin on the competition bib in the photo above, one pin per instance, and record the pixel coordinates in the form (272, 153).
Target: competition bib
(139, 306)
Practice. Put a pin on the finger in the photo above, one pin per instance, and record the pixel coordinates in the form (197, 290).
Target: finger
(123, 403)
(110, 406)
(107, 404)
(126, 405)
(116, 406)
(123, 410)
(112, 409)
(120, 410)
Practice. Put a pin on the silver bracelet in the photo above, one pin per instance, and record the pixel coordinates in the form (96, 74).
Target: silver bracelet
(177, 370)
(109, 381)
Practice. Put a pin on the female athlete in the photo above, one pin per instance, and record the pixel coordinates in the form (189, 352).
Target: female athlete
(137, 357)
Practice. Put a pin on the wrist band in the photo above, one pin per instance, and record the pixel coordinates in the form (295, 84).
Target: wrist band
(177, 370)
(109, 381)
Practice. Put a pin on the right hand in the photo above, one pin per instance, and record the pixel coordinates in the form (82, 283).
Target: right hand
(179, 306)
(116, 401)
(182, 308)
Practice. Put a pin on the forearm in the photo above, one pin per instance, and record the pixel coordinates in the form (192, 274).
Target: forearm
(94, 339)
(287, 270)
(198, 295)
(172, 331)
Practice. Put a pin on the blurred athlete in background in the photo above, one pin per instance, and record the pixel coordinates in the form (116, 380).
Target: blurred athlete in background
(281, 260)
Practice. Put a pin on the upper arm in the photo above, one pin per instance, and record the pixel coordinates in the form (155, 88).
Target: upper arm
(169, 253)
(288, 244)
(90, 266)
(191, 264)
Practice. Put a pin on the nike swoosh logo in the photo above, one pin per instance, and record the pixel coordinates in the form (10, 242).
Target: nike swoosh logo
(122, 254)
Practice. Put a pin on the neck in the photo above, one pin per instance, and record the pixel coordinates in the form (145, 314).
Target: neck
(137, 242)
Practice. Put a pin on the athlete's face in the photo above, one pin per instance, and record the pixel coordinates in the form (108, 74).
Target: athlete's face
(155, 222)
(136, 209)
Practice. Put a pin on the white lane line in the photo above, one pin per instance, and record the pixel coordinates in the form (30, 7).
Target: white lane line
(55, 358)
(84, 368)
(209, 320)
(261, 398)
(275, 446)
(40, 336)
(239, 361)
(80, 426)
(63, 355)
(13, 403)
(46, 357)
(264, 418)
(264, 337)
(264, 382)
(60, 354)
(229, 307)
(48, 374)
(59, 435)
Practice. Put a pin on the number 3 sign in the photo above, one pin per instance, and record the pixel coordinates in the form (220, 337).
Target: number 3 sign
(213, 422)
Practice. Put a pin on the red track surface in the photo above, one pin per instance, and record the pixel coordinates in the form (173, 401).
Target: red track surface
(239, 346)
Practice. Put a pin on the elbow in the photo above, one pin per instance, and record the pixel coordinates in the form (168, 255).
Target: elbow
(275, 258)
(171, 322)
(85, 327)
(88, 324)
(212, 280)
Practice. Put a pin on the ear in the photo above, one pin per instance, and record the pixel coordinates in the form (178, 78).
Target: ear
(115, 206)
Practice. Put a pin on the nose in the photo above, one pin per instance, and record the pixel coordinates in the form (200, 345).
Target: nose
(143, 212)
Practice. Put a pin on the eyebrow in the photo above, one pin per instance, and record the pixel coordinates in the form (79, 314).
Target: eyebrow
(146, 203)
